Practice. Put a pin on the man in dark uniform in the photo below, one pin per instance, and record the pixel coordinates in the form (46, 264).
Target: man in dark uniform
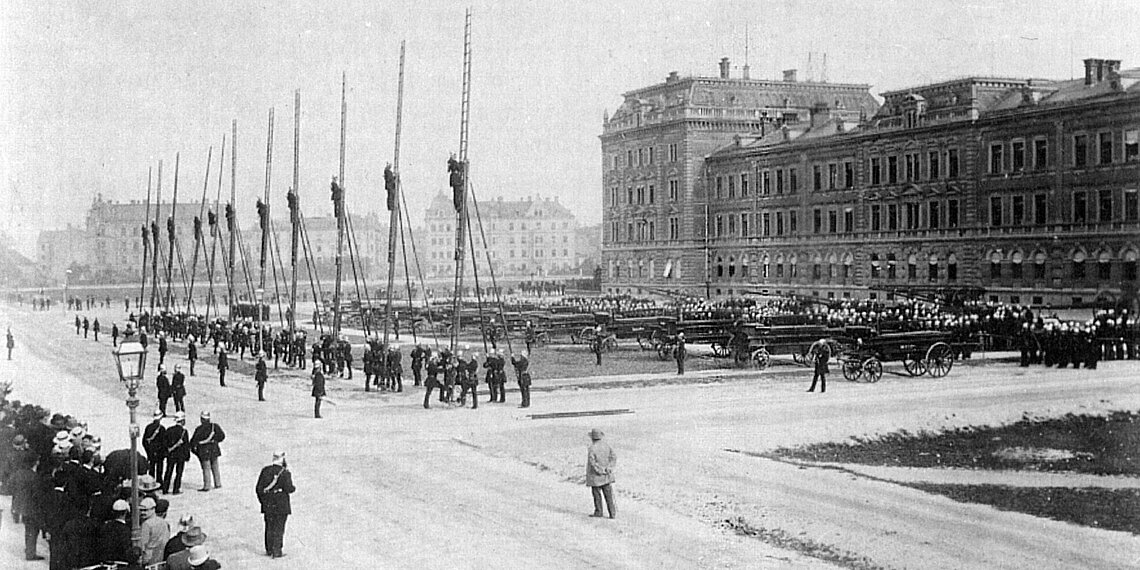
(114, 334)
(178, 388)
(531, 335)
(261, 376)
(86, 326)
(822, 355)
(154, 443)
(78, 325)
(418, 354)
(366, 360)
(95, 329)
(433, 369)
(223, 365)
(522, 372)
(346, 350)
(192, 353)
(395, 369)
(162, 348)
(490, 378)
(204, 444)
(596, 346)
(177, 454)
(318, 389)
(11, 343)
(680, 353)
(164, 392)
(273, 488)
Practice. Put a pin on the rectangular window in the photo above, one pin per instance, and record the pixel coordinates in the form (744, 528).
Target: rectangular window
(1104, 145)
(1080, 150)
(995, 211)
(848, 220)
(832, 222)
(674, 228)
(650, 156)
(1104, 271)
(719, 187)
(1080, 207)
(1131, 145)
(848, 174)
(731, 225)
(672, 190)
(1040, 209)
(792, 217)
(629, 157)
(1104, 206)
(779, 181)
(892, 170)
(1038, 270)
(933, 162)
(719, 226)
(996, 158)
(911, 166)
(1017, 212)
(766, 220)
(744, 225)
(652, 193)
(817, 221)
(628, 233)
(731, 187)
(1017, 154)
(1131, 205)
(766, 182)
(832, 176)
(793, 180)
(876, 178)
(952, 163)
(995, 270)
(892, 217)
(744, 185)
(933, 216)
(1041, 154)
(952, 213)
(1129, 270)
(1078, 269)
(951, 271)
(817, 177)
(876, 218)
(779, 270)
(1015, 270)
(779, 223)
(652, 235)
(673, 152)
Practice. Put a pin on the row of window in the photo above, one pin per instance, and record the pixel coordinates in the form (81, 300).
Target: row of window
(511, 253)
(669, 269)
(1102, 148)
(510, 226)
(646, 156)
(643, 194)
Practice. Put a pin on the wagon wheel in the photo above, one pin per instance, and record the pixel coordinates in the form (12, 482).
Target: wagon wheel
(872, 369)
(664, 351)
(760, 358)
(720, 349)
(914, 366)
(609, 344)
(939, 359)
(852, 370)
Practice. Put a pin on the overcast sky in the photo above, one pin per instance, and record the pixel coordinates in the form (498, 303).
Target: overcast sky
(92, 94)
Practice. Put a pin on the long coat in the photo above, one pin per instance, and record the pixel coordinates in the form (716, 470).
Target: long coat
(178, 385)
(163, 384)
(318, 383)
(154, 440)
(273, 488)
(821, 359)
(205, 441)
(600, 462)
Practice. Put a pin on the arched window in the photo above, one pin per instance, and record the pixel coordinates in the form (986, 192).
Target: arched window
(731, 267)
(793, 269)
(1079, 258)
(932, 267)
(952, 267)
(995, 265)
(876, 269)
(1015, 264)
(720, 267)
(1039, 260)
(912, 267)
(1129, 264)
(892, 266)
(767, 266)
(1104, 265)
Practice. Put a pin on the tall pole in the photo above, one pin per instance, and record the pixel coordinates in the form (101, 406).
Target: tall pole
(338, 209)
(198, 229)
(213, 222)
(145, 240)
(294, 205)
(229, 218)
(154, 239)
(170, 238)
(392, 184)
(132, 405)
(264, 215)
(460, 186)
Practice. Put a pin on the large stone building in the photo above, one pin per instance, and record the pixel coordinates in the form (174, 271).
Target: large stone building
(527, 239)
(1025, 188)
(653, 153)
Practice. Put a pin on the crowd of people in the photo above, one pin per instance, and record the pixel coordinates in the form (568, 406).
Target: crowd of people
(65, 488)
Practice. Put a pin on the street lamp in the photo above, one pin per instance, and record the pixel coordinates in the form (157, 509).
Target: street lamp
(130, 361)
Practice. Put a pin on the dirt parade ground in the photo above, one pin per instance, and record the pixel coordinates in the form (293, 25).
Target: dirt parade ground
(383, 483)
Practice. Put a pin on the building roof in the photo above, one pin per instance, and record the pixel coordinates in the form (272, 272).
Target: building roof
(506, 209)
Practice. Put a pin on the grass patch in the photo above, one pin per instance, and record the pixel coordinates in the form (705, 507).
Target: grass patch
(1098, 445)
(1110, 509)
(806, 546)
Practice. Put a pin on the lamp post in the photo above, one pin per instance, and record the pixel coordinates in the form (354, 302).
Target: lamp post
(130, 361)
(260, 340)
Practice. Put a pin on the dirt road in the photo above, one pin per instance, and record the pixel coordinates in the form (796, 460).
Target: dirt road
(384, 483)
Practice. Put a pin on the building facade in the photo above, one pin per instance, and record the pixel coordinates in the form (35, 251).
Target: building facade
(535, 238)
(1024, 188)
(654, 148)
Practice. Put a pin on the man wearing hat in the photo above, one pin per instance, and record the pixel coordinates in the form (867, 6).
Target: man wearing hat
(273, 488)
(177, 444)
(178, 388)
(680, 353)
(163, 385)
(600, 462)
(154, 443)
(176, 543)
(199, 559)
(11, 343)
(223, 365)
(204, 444)
(192, 537)
(522, 371)
(261, 376)
(154, 531)
(192, 353)
(114, 537)
(318, 388)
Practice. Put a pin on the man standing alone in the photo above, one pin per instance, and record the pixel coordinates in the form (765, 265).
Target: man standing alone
(600, 462)
(223, 365)
(204, 444)
(11, 343)
(680, 353)
(822, 355)
(318, 388)
(273, 488)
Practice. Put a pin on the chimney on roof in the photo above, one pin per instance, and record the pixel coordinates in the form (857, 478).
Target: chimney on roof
(724, 66)
(820, 114)
(673, 76)
(1097, 70)
(790, 75)
(747, 75)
